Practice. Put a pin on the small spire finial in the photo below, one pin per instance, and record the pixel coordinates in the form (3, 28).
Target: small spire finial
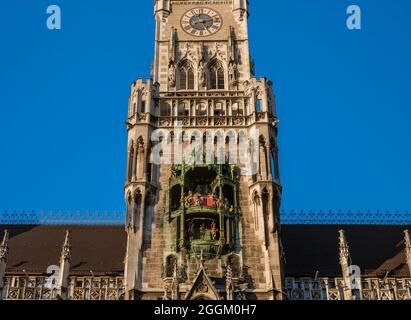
(344, 248)
(4, 246)
(66, 250)
(6, 237)
(345, 262)
(407, 239)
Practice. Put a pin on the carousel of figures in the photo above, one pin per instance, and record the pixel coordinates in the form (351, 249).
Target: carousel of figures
(204, 197)
(203, 230)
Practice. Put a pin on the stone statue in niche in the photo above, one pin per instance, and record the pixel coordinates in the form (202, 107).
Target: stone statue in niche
(214, 231)
(203, 231)
(233, 72)
(201, 74)
(191, 230)
(172, 75)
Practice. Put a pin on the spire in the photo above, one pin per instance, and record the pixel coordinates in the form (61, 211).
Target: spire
(4, 251)
(229, 283)
(232, 46)
(65, 262)
(66, 250)
(408, 248)
(173, 45)
(344, 249)
(4, 247)
(345, 262)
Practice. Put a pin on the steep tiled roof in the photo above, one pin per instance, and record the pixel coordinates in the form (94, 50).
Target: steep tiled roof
(35, 248)
(312, 248)
(308, 248)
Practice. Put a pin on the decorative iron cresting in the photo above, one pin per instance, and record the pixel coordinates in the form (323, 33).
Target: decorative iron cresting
(60, 218)
(287, 217)
(346, 217)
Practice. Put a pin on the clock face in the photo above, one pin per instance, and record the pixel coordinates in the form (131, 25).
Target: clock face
(201, 22)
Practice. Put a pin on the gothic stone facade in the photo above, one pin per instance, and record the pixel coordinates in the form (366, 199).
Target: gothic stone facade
(182, 213)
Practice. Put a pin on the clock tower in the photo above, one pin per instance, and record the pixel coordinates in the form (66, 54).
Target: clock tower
(202, 188)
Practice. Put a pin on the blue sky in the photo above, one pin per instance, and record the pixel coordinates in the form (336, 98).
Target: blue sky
(344, 101)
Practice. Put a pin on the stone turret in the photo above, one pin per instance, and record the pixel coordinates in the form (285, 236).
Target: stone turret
(65, 262)
(240, 7)
(345, 265)
(163, 7)
(4, 251)
(408, 248)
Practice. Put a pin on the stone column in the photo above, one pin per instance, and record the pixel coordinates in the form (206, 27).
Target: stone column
(149, 101)
(65, 263)
(345, 264)
(4, 252)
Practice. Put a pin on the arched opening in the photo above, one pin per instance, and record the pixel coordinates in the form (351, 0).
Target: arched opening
(186, 76)
(131, 161)
(175, 198)
(231, 148)
(256, 205)
(201, 298)
(183, 110)
(165, 109)
(201, 110)
(171, 265)
(233, 261)
(216, 76)
(237, 110)
(266, 216)
(219, 109)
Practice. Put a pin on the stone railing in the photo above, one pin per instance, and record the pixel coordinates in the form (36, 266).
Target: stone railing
(332, 289)
(80, 288)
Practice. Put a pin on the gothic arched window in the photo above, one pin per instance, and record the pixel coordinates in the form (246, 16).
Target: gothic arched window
(186, 77)
(217, 79)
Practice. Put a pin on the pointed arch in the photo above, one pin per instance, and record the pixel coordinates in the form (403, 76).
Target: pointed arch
(170, 265)
(231, 147)
(234, 261)
(186, 75)
(216, 75)
(131, 162)
(129, 199)
(165, 109)
(256, 209)
(219, 147)
(266, 215)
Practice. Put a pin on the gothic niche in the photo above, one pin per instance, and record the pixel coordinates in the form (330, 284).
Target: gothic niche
(203, 199)
(171, 266)
(233, 262)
